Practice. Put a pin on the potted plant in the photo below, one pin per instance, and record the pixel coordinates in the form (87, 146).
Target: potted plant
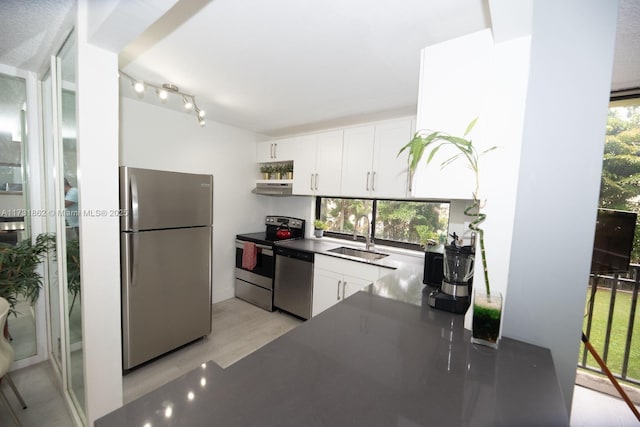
(287, 171)
(18, 275)
(265, 170)
(487, 307)
(274, 172)
(318, 227)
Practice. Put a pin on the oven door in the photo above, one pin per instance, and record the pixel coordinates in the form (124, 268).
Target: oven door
(256, 285)
(264, 262)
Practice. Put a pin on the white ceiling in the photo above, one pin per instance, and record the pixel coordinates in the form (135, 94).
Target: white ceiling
(284, 66)
(32, 30)
(275, 66)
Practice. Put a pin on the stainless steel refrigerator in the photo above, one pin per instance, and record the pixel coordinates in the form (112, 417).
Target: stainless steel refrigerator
(165, 253)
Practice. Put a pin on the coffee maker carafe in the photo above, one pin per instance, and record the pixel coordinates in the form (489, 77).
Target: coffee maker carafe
(454, 294)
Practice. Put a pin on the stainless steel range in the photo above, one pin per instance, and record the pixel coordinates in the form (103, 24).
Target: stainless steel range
(255, 260)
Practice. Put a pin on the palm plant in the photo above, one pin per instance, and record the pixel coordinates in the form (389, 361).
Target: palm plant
(434, 140)
(18, 275)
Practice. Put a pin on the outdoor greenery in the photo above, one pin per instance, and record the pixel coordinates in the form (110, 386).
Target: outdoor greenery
(620, 189)
(619, 330)
(395, 220)
(412, 221)
(620, 183)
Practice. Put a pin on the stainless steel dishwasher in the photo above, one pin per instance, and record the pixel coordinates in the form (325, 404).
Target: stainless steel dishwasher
(293, 283)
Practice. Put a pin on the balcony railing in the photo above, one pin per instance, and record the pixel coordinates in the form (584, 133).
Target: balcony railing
(609, 324)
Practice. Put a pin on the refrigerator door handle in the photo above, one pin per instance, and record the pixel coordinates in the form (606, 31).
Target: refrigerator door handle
(134, 259)
(129, 259)
(134, 202)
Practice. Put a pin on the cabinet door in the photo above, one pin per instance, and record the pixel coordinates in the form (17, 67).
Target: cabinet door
(284, 149)
(327, 180)
(304, 165)
(357, 161)
(327, 290)
(351, 285)
(277, 150)
(390, 172)
(264, 152)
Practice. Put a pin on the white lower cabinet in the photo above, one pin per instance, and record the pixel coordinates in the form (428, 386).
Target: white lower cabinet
(335, 279)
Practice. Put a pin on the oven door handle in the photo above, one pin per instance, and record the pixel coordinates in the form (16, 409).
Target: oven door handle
(266, 250)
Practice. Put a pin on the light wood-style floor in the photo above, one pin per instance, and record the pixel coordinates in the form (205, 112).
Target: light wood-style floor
(239, 329)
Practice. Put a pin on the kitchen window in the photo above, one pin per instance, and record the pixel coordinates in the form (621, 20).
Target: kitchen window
(400, 223)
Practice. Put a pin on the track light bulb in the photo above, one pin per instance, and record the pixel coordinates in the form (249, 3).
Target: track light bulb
(188, 105)
(201, 114)
(202, 122)
(138, 87)
(162, 94)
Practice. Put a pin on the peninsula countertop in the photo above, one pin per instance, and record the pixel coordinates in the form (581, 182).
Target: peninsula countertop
(381, 357)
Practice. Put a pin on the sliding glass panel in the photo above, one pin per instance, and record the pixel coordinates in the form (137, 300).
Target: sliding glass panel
(67, 65)
(14, 211)
(53, 279)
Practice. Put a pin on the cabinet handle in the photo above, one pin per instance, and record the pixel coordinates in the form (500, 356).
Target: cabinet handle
(311, 183)
(275, 151)
(338, 294)
(373, 181)
(344, 285)
(410, 176)
(316, 181)
(271, 151)
(368, 176)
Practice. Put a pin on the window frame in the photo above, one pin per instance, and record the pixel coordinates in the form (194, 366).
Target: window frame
(385, 242)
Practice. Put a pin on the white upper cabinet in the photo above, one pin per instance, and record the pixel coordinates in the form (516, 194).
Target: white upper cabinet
(317, 164)
(370, 166)
(357, 161)
(277, 150)
(455, 83)
(390, 177)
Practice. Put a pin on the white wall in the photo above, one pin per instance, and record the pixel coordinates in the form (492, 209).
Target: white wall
(559, 176)
(153, 137)
(544, 105)
(97, 107)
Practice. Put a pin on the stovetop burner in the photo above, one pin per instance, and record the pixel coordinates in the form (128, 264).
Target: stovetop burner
(273, 223)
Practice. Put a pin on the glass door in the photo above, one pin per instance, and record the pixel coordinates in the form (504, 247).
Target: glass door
(53, 282)
(69, 184)
(62, 179)
(14, 208)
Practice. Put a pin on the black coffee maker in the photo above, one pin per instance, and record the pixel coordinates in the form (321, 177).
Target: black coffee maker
(454, 294)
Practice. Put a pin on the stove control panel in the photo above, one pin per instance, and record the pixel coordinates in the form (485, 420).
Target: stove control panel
(280, 221)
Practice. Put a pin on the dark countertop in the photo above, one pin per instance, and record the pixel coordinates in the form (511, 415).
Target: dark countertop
(382, 357)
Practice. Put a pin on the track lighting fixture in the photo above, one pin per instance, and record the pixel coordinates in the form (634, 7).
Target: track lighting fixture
(163, 92)
(138, 87)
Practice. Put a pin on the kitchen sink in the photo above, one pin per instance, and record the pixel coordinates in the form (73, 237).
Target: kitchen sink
(368, 255)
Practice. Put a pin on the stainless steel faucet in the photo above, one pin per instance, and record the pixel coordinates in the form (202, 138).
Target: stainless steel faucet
(368, 242)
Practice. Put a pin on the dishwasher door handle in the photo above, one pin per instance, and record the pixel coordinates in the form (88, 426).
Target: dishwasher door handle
(338, 293)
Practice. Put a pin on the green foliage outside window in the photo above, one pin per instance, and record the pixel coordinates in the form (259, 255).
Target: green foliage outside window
(620, 182)
(402, 223)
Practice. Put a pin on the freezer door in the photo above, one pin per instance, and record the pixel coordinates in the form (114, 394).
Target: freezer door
(166, 291)
(152, 200)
